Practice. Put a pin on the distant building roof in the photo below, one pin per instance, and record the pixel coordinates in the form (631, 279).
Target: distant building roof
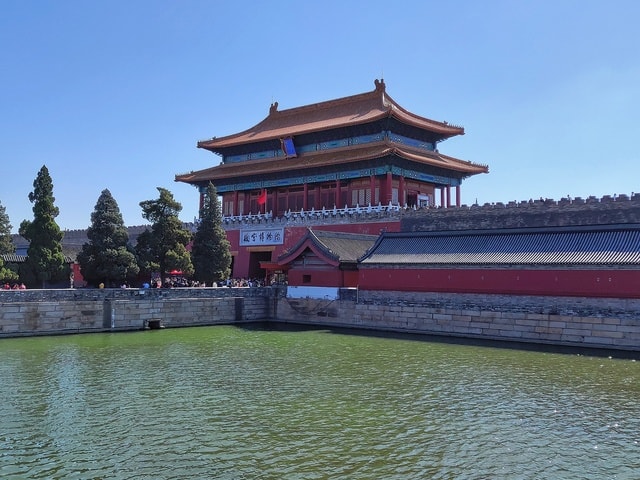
(73, 240)
(16, 258)
(558, 246)
(12, 258)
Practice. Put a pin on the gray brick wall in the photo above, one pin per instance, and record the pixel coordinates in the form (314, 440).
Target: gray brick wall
(587, 322)
(532, 213)
(583, 322)
(42, 312)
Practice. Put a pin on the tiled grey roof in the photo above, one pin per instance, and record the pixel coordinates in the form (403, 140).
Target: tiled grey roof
(340, 246)
(346, 246)
(15, 258)
(594, 245)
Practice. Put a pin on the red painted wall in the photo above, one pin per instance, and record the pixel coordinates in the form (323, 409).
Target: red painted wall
(589, 283)
(319, 278)
(351, 278)
(293, 234)
(333, 277)
(78, 279)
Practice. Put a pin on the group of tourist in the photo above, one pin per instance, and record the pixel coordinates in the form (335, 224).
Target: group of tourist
(181, 282)
(241, 283)
(178, 282)
(175, 282)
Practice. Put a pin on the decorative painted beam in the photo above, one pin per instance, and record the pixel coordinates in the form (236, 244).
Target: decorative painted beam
(338, 143)
(346, 175)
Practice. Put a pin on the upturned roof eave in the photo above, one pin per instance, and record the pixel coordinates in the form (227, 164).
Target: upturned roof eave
(370, 152)
(405, 116)
(380, 106)
(312, 242)
(276, 115)
(218, 145)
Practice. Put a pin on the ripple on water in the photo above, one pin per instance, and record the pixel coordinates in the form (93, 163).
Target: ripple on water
(230, 403)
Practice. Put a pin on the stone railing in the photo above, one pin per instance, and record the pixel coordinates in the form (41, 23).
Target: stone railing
(101, 294)
(325, 215)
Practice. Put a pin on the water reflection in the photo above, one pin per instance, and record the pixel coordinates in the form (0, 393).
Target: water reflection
(225, 402)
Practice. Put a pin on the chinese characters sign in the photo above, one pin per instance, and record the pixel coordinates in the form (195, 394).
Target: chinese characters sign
(271, 236)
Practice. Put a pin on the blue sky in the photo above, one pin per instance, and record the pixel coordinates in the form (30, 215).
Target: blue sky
(115, 94)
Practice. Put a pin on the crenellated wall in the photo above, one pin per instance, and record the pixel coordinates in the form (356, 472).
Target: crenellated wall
(532, 213)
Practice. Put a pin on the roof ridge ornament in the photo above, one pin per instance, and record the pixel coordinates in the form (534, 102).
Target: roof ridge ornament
(273, 108)
(381, 88)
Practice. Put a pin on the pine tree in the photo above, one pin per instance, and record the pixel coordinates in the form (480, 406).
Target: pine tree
(107, 257)
(45, 262)
(210, 251)
(163, 247)
(6, 246)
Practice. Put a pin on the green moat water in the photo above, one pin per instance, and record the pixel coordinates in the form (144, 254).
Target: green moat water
(248, 403)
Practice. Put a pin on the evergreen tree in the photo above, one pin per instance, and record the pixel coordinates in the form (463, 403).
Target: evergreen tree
(6, 246)
(45, 261)
(107, 257)
(163, 247)
(210, 251)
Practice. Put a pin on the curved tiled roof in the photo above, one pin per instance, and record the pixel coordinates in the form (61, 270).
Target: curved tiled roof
(343, 112)
(332, 157)
(13, 258)
(16, 258)
(568, 246)
(335, 247)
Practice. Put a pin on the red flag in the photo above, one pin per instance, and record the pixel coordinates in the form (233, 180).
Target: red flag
(262, 199)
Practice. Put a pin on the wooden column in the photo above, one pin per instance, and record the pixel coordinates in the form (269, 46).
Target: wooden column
(401, 199)
(458, 196)
(388, 188)
(448, 196)
(235, 203)
(373, 189)
(274, 203)
(442, 205)
(305, 204)
(337, 201)
(318, 199)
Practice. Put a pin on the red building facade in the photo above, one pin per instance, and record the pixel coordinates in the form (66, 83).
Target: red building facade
(324, 258)
(577, 261)
(348, 165)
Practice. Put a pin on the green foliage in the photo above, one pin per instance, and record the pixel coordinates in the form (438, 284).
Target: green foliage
(6, 247)
(163, 247)
(107, 257)
(7, 274)
(45, 262)
(210, 252)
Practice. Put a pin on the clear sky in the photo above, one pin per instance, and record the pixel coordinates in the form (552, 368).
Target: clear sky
(115, 94)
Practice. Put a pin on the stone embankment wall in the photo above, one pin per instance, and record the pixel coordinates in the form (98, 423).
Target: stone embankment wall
(46, 312)
(582, 322)
(579, 322)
